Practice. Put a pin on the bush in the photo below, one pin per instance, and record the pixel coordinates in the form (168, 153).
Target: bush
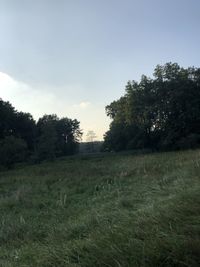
(12, 150)
(190, 142)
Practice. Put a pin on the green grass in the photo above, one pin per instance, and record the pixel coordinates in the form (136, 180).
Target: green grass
(112, 211)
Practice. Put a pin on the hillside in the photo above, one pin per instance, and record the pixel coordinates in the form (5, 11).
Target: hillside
(114, 211)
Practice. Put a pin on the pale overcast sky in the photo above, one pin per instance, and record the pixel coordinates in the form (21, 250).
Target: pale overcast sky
(73, 57)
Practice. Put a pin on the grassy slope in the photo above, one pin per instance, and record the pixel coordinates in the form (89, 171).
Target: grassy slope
(110, 211)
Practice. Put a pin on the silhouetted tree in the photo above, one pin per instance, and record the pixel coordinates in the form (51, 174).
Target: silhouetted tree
(159, 113)
(49, 138)
(7, 119)
(18, 124)
(25, 128)
(57, 137)
(12, 150)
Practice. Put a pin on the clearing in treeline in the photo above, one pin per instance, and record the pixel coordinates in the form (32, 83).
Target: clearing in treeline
(107, 210)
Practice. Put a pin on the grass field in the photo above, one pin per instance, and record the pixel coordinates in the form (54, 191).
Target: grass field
(112, 211)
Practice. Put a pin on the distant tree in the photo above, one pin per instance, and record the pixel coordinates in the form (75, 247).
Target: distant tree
(90, 138)
(69, 135)
(57, 137)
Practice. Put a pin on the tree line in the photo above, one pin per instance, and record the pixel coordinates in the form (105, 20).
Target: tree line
(159, 113)
(22, 138)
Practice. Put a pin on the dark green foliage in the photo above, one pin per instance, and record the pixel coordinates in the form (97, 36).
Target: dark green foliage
(12, 150)
(57, 137)
(49, 138)
(25, 128)
(46, 144)
(69, 134)
(18, 124)
(7, 115)
(159, 113)
(118, 210)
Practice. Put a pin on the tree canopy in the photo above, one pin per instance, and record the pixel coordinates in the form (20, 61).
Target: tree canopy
(162, 112)
(57, 137)
(50, 137)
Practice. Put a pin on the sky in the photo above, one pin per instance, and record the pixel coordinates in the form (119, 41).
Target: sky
(74, 57)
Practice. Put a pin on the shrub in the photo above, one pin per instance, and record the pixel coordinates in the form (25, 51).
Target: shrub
(12, 150)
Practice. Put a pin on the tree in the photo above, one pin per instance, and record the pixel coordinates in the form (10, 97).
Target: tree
(69, 135)
(90, 137)
(25, 128)
(18, 124)
(12, 150)
(46, 144)
(7, 118)
(57, 137)
(159, 113)
(49, 138)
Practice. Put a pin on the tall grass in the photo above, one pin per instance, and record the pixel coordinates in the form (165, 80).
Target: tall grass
(112, 211)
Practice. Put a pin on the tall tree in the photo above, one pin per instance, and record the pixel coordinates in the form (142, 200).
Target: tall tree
(159, 113)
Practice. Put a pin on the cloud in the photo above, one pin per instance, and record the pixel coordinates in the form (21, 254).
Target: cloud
(25, 98)
(83, 105)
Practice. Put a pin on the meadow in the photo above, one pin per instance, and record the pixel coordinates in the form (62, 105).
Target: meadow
(117, 210)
